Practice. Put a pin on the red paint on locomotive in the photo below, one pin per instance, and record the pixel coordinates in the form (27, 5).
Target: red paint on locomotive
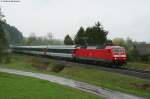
(111, 54)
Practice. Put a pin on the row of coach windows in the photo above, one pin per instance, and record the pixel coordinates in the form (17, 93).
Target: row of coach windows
(48, 50)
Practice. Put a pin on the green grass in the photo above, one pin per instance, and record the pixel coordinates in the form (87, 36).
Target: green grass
(19, 87)
(109, 80)
(139, 65)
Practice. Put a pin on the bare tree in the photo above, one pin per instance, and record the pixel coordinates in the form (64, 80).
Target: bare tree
(50, 36)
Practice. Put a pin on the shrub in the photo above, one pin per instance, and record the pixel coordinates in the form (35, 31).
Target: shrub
(7, 58)
(56, 67)
(144, 58)
(132, 54)
(149, 59)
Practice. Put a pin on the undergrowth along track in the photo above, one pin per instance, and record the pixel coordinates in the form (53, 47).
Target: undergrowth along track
(131, 72)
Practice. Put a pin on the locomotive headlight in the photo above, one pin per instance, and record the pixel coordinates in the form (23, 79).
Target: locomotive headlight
(124, 58)
(115, 58)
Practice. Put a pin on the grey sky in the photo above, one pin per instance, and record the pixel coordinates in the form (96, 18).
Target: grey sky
(122, 18)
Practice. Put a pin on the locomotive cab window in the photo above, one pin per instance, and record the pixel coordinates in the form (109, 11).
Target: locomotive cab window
(118, 50)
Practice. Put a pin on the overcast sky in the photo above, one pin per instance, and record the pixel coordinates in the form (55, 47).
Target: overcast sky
(122, 18)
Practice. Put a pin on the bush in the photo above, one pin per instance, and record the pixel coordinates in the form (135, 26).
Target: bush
(148, 59)
(7, 59)
(145, 58)
(56, 67)
(132, 54)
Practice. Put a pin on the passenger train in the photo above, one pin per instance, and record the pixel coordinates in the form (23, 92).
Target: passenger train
(110, 55)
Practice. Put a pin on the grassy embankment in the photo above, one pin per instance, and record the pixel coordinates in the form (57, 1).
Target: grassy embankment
(113, 81)
(139, 66)
(19, 87)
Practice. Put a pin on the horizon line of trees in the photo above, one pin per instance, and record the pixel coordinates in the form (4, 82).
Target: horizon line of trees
(95, 35)
(48, 39)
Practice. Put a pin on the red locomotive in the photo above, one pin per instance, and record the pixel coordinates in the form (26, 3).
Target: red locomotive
(110, 55)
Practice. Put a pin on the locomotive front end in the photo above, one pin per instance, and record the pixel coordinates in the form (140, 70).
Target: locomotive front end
(119, 56)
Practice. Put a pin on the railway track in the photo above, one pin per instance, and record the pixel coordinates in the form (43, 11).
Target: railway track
(131, 72)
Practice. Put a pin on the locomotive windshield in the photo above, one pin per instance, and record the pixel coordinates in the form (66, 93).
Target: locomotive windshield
(117, 50)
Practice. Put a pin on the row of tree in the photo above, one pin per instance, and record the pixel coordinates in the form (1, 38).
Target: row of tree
(3, 41)
(8, 35)
(92, 36)
(13, 35)
(41, 40)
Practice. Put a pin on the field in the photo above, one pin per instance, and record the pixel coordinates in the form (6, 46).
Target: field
(18, 87)
(109, 80)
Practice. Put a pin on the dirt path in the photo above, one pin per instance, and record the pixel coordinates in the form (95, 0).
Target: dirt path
(106, 93)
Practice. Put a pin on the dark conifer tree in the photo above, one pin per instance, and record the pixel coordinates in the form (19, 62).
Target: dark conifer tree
(80, 37)
(3, 41)
(68, 40)
(95, 36)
